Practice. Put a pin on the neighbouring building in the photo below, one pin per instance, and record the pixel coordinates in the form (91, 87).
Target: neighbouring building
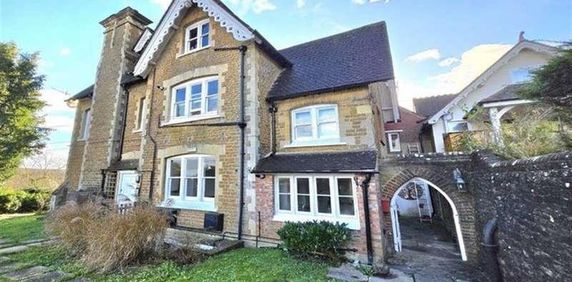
(495, 90)
(205, 118)
(403, 135)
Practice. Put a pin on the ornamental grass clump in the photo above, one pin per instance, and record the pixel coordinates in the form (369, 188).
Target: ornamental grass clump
(322, 239)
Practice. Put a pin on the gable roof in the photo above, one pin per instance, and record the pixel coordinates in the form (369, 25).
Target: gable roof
(216, 11)
(353, 58)
(513, 52)
(87, 92)
(428, 106)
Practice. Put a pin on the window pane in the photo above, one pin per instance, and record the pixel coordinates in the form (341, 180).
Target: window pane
(346, 206)
(323, 186)
(303, 185)
(205, 40)
(212, 87)
(327, 130)
(176, 167)
(212, 103)
(283, 185)
(175, 186)
(303, 131)
(193, 44)
(205, 28)
(345, 187)
(284, 202)
(209, 188)
(304, 203)
(180, 95)
(192, 167)
(196, 104)
(328, 114)
(192, 184)
(303, 118)
(196, 91)
(179, 109)
(324, 204)
(209, 167)
(193, 33)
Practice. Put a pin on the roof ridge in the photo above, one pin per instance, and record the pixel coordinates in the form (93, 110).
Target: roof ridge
(433, 96)
(380, 23)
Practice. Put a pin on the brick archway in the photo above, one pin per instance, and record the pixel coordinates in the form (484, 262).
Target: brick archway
(441, 178)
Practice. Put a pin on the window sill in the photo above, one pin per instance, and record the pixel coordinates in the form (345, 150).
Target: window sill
(315, 144)
(191, 52)
(196, 118)
(353, 223)
(137, 131)
(188, 205)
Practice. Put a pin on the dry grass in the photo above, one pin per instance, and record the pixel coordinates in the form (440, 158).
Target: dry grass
(106, 240)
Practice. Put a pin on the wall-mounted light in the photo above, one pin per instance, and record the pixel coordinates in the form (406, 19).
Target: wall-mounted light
(459, 181)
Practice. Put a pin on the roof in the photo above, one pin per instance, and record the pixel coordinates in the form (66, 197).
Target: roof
(353, 58)
(82, 94)
(428, 106)
(357, 161)
(508, 93)
(124, 165)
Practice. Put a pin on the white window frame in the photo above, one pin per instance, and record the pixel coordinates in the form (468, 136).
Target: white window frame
(85, 122)
(204, 113)
(314, 115)
(453, 123)
(335, 216)
(199, 202)
(392, 148)
(198, 26)
(141, 112)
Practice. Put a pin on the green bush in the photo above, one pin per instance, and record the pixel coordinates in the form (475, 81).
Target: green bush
(10, 202)
(315, 239)
(23, 201)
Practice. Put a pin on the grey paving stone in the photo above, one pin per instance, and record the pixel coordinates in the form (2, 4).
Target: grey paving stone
(11, 250)
(49, 277)
(26, 273)
(346, 272)
(395, 276)
(4, 260)
(10, 267)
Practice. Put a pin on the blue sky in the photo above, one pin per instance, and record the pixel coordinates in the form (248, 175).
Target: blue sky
(437, 46)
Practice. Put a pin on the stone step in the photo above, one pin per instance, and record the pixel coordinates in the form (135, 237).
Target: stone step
(51, 276)
(26, 273)
(11, 250)
(11, 267)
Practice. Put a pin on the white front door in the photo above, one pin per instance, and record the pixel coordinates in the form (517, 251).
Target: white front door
(126, 186)
(395, 225)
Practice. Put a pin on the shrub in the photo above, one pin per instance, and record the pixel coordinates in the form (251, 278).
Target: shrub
(10, 202)
(23, 201)
(322, 239)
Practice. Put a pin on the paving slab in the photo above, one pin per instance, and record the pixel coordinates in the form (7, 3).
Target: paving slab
(11, 250)
(395, 276)
(26, 273)
(11, 267)
(4, 260)
(49, 277)
(346, 272)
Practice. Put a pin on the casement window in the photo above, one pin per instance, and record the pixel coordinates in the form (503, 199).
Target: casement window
(394, 142)
(85, 121)
(316, 197)
(197, 36)
(315, 125)
(140, 114)
(195, 99)
(191, 181)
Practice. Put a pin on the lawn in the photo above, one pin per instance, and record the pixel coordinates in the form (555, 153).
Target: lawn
(22, 228)
(238, 265)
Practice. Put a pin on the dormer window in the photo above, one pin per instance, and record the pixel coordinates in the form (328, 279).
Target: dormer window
(197, 36)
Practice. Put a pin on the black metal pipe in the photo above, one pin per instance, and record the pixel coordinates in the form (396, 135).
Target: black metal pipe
(491, 247)
(148, 134)
(364, 187)
(272, 109)
(103, 176)
(242, 127)
(120, 151)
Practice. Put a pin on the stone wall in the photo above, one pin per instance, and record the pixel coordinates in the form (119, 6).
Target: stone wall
(531, 200)
(77, 145)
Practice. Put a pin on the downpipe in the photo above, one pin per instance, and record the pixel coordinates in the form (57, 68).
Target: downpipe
(491, 247)
(364, 187)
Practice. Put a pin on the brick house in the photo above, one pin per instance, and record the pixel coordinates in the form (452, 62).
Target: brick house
(205, 118)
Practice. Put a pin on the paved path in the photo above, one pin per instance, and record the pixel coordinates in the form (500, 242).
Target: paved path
(17, 271)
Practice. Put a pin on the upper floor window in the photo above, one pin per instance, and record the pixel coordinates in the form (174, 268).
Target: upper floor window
(315, 124)
(197, 36)
(140, 114)
(195, 99)
(85, 121)
(520, 75)
(191, 181)
(394, 142)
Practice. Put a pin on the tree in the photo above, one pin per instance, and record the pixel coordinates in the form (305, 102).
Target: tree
(20, 131)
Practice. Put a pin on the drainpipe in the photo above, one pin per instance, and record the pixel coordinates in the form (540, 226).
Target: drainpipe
(147, 133)
(120, 151)
(364, 187)
(491, 247)
(241, 125)
(272, 109)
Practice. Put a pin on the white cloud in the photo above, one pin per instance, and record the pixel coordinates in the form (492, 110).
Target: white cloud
(429, 54)
(361, 2)
(300, 3)
(471, 64)
(57, 114)
(164, 4)
(448, 62)
(257, 6)
(65, 51)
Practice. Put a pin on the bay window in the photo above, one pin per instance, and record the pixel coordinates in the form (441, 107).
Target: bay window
(316, 197)
(195, 99)
(315, 125)
(191, 181)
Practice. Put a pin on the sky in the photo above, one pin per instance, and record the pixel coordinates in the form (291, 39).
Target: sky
(437, 46)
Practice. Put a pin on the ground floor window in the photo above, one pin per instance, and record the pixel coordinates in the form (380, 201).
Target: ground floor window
(190, 181)
(321, 197)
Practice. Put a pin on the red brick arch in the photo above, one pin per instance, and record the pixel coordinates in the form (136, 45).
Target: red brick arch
(443, 179)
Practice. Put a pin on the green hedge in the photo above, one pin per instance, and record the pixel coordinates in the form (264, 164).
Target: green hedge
(315, 239)
(30, 200)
